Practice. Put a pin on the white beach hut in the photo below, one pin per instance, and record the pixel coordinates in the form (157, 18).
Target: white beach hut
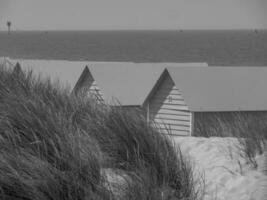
(184, 96)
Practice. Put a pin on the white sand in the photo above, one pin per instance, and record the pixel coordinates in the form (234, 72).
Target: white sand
(226, 177)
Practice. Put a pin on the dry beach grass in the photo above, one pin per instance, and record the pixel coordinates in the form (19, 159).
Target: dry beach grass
(57, 146)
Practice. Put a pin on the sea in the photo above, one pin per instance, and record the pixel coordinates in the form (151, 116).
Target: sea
(215, 47)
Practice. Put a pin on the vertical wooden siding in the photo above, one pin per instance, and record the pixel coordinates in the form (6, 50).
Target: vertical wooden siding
(168, 109)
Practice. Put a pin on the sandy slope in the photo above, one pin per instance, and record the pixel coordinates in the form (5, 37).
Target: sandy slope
(227, 177)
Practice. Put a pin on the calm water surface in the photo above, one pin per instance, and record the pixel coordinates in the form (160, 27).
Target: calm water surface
(215, 47)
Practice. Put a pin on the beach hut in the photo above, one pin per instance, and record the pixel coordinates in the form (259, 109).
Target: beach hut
(64, 72)
(184, 98)
(8, 64)
(67, 73)
(125, 84)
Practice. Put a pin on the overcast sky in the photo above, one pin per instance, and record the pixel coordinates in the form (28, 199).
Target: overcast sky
(133, 14)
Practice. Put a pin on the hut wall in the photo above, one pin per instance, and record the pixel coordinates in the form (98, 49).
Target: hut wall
(168, 109)
(89, 88)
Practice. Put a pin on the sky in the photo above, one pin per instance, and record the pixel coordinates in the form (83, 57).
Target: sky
(133, 14)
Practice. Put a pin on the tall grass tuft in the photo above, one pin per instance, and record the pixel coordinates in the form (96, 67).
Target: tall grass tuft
(43, 156)
(250, 128)
(57, 146)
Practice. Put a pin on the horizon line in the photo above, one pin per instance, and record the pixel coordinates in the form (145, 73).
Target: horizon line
(186, 29)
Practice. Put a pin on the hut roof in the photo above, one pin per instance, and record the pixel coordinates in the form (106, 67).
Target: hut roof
(66, 72)
(129, 83)
(210, 89)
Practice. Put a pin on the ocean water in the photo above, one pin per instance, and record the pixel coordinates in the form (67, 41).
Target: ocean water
(246, 47)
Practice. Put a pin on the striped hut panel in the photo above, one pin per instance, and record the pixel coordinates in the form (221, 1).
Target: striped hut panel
(89, 87)
(168, 109)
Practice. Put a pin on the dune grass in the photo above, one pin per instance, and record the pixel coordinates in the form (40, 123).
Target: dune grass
(250, 128)
(54, 145)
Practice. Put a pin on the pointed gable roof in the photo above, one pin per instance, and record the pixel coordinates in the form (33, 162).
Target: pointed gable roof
(66, 72)
(211, 89)
(129, 83)
(7, 63)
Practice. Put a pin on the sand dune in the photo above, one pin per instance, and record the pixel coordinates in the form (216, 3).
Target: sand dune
(226, 177)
